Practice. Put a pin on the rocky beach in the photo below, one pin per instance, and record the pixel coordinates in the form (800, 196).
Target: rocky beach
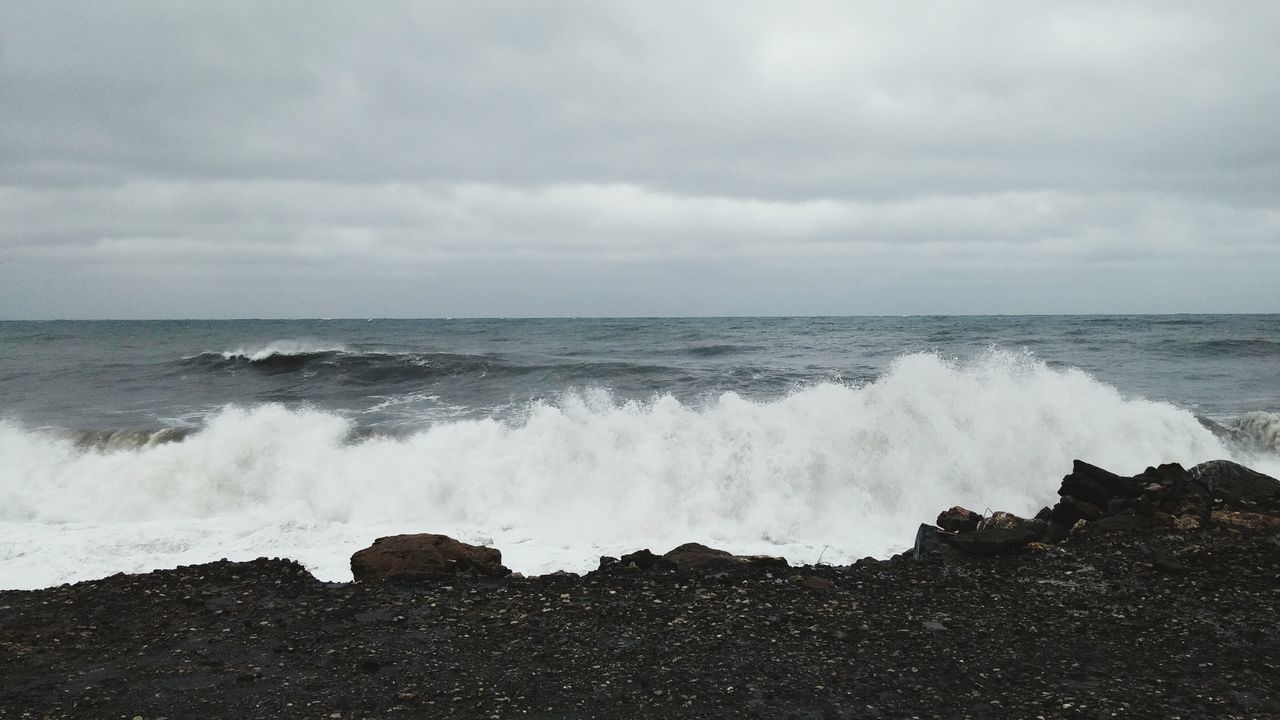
(1146, 596)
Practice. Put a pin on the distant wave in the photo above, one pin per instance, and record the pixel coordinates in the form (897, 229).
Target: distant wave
(849, 468)
(718, 350)
(376, 367)
(1231, 348)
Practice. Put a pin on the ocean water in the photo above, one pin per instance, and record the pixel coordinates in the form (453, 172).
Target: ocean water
(128, 446)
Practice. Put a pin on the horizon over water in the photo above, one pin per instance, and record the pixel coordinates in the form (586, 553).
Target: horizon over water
(129, 445)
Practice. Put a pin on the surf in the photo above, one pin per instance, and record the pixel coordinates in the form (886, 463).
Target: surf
(830, 470)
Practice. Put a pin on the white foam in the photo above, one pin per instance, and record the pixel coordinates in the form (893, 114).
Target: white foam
(831, 471)
(284, 348)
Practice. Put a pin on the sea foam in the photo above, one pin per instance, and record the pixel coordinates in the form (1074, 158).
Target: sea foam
(830, 472)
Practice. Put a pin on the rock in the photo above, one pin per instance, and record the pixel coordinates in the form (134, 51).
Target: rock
(1114, 484)
(813, 583)
(1236, 485)
(1162, 560)
(1124, 520)
(1085, 488)
(995, 541)
(1055, 533)
(1186, 522)
(1117, 505)
(695, 556)
(930, 545)
(642, 559)
(1244, 520)
(1008, 521)
(424, 554)
(959, 519)
(1167, 474)
(1070, 510)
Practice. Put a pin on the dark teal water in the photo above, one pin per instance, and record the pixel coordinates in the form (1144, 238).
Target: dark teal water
(394, 375)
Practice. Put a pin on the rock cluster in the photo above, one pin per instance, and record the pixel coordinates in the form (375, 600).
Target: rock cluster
(690, 556)
(1168, 495)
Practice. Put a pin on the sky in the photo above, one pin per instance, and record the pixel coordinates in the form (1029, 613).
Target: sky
(454, 159)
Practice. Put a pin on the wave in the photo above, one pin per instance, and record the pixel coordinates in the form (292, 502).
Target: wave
(128, 439)
(1253, 433)
(374, 368)
(1233, 347)
(283, 349)
(832, 470)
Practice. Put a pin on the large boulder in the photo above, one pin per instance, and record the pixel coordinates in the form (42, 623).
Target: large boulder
(1236, 485)
(695, 556)
(423, 555)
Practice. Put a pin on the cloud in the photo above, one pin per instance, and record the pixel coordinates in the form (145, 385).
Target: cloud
(583, 154)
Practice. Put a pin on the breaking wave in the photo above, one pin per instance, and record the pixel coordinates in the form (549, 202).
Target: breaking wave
(832, 470)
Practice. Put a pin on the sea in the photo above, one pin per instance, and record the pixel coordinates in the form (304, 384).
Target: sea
(131, 446)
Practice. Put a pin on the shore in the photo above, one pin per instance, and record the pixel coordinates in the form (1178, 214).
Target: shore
(1145, 617)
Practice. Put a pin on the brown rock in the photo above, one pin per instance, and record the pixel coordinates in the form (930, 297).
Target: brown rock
(424, 554)
(959, 519)
(1244, 520)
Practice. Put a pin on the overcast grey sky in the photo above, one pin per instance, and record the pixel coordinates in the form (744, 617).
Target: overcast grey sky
(304, 159)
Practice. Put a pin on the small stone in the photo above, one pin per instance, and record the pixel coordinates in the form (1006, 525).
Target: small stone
(1161, 560)
(813, 583)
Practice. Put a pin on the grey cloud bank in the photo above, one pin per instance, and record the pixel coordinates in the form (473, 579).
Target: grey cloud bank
(443, 159)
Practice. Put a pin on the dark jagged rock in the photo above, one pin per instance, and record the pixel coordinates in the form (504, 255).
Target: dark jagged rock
(1123, 520)
(930, 545)
(1070, 510)
(695, 556)
(642, 559)
(995, 541)
(1236, 485)
(1115, 484)
(958, 519)
(1083, 487)
(422, 555)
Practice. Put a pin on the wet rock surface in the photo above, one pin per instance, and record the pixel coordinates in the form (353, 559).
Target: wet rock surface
(1139, 620)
